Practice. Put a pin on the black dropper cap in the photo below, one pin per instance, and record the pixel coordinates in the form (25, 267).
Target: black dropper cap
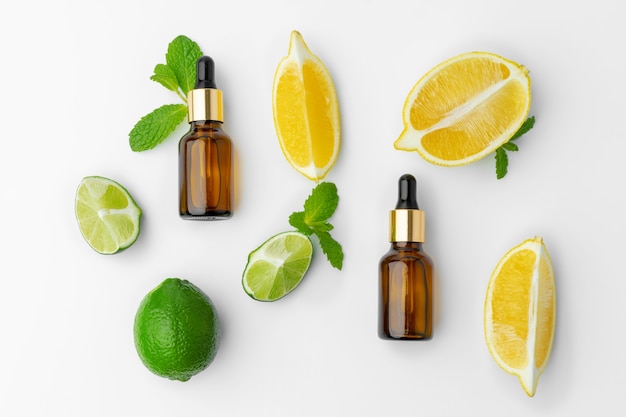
(407, 192)
(205, 100)
(205, 73)
(406, 221)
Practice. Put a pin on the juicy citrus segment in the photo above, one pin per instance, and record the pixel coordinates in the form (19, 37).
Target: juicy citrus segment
(108, 217)
(306, 111)
(453, 83)
(465, 108)
(276, 267)
(520, 310)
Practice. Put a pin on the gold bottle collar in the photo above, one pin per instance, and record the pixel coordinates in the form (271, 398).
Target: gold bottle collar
(406, 225)
(205, 104)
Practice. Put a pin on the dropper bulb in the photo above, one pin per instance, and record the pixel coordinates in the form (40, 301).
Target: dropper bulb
(205, 73)
(407, 192)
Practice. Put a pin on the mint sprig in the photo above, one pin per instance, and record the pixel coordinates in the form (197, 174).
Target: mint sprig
(165, 76)
(155, 126)
(182, 56)
(502, 159)
(178, 74)
(313, 220)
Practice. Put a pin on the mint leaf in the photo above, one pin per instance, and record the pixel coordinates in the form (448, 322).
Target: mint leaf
(322, 227)
(502, 163)
(318, 208)
(321, 204)
(154, 127)
(179, 74)
(510, 146)
(524, 128)
(502, 159)
(165, 76)
(297, 220)
(182, 56)
(331, 248)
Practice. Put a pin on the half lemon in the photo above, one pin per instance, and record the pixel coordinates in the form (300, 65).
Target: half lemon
(465, 108)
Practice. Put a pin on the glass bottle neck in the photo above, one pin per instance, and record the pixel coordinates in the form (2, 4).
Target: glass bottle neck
(208, 124)
(407, 245)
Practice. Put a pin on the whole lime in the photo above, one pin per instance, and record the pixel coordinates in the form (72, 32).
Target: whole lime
(176, 330)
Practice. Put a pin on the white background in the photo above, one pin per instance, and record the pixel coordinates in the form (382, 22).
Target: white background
(75, 79)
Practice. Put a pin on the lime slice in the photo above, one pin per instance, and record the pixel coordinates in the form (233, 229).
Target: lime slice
(107, 215)
(276, 267)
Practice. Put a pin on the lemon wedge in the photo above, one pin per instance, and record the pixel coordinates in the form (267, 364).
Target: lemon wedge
(520, 310)
(306, 111)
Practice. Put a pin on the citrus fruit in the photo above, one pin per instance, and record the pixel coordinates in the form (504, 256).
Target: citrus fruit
(276, 267)
(107, 215)
(177, 332)
(520, 310)
(306, 113)
(465, 108)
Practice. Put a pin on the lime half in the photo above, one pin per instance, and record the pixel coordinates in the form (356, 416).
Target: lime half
(107, 215)
(276, 267)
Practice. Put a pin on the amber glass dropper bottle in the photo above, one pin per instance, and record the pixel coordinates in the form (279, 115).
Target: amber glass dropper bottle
(405, 274)
(205, 152)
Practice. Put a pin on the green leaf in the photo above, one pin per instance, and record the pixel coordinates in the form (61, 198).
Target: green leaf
(502, 159)
(165, 76)
(509, 146)
(297, 220)
(524, 128)
(321, 227)
(331, 248)
(321, 204)
(318, 208)
(154, 127)
(182, 57)
(502, 163)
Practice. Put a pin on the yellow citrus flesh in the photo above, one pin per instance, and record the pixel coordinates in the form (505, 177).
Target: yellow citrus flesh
(306, 112)
(520, 310)
(465, 108)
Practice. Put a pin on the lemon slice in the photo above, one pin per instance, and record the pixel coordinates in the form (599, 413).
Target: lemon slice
(520, 310)
(306, 112)
(465, 108)
(276, 267)
(107, 215)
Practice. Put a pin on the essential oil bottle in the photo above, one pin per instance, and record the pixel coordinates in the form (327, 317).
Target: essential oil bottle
(405, 274)
(205, 152)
